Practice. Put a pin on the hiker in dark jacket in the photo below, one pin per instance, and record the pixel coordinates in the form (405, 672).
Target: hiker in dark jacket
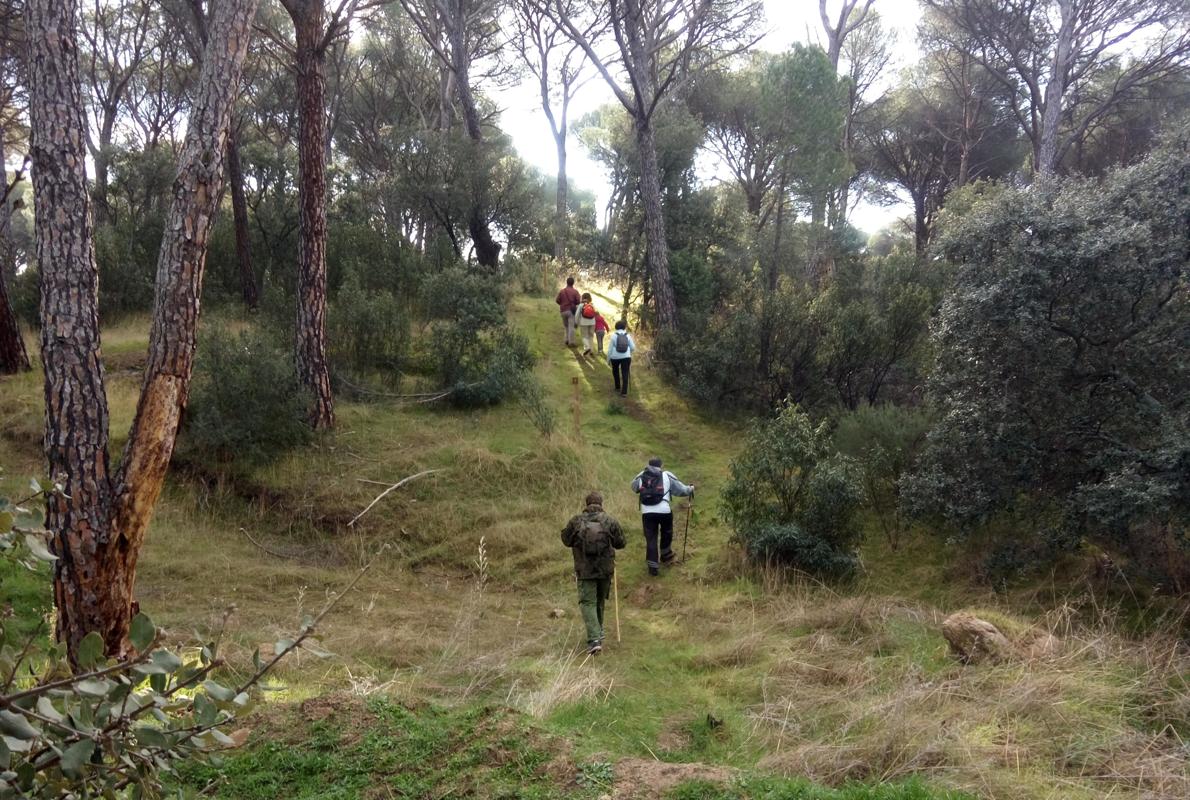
(593, 537)
(656, 487)
(568, 300)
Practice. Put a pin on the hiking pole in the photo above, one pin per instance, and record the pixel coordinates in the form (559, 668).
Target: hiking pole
(686, 535)
(616, 601)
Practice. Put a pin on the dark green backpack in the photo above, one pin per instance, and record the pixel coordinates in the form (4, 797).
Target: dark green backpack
(593, 537)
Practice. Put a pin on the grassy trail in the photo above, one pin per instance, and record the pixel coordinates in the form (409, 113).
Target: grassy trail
(661, 678)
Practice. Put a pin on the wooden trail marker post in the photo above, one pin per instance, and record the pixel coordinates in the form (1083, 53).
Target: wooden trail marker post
(577, 406)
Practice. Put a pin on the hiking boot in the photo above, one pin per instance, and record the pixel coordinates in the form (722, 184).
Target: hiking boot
(654, 571)
(667, 559)
(594, 649)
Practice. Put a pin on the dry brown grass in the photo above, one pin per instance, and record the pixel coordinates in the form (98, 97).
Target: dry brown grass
(867, 692)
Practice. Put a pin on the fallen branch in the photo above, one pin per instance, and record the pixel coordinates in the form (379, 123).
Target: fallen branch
(381, 496)
(273, 553)
(416, 397)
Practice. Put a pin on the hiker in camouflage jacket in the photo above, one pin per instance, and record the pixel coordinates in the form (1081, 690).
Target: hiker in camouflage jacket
(593, 537)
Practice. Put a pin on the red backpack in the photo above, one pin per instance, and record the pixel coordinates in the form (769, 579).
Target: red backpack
(588, 311)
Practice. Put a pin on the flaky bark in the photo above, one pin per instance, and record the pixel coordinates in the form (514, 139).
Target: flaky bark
(13, 357)
(98, 523)
(658, 248)
(310, 339)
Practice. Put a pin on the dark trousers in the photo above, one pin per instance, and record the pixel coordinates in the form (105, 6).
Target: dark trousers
(655, 524)
(620, 368)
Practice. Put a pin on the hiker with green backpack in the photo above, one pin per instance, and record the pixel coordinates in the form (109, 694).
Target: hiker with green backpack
(593, 538)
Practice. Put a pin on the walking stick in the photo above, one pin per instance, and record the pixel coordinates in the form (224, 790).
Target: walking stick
(616, 601)
(686, 535)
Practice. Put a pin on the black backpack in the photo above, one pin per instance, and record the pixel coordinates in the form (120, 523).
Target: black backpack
(594, 539)
(652, 487)
(621, 342)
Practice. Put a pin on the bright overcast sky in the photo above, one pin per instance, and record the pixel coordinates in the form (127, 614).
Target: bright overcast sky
(789, 21)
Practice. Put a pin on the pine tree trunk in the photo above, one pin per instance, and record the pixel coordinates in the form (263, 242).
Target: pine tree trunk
(99, 521)
(311, 315)
(13, 356)
(921, 229)
(76, 416)
(487, 249)
(658, 250)
(239, 213)
(1055, 88)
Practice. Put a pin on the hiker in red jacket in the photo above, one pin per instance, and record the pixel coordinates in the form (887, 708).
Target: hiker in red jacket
(568, 300)
(600, 329)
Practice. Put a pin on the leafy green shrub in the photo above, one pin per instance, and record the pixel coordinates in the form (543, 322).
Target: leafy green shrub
(490, 366)
(477, 300)
(884, 441)
(126, 254)
(25, 295)
(367, 332)
(791, 499)
(246, 402)
(1061, 372)
(468, 346)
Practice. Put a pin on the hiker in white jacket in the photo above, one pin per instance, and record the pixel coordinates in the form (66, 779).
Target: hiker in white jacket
(656, 487)
(620, 348)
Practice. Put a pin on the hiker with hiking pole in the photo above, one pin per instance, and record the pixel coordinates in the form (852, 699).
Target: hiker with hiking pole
(656, 488)
(593, 538)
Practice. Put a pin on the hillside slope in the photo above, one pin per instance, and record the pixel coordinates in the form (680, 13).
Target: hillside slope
(718, 665)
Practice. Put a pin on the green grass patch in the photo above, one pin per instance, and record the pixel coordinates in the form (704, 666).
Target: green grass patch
(335, 749)
(785, 789)
(29, 594)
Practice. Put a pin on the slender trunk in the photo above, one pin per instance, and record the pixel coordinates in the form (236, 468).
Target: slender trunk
(102, 160)
(311, 295)
(239, 213)
(561, 218)
(13, 356)
(1055, 88)
(99, 520)
(921, 228)
(964, 164)
(773, 272)
(487, 249)
(657, 248)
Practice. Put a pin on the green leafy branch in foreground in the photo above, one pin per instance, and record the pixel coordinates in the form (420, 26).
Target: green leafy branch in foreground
(115, 727)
